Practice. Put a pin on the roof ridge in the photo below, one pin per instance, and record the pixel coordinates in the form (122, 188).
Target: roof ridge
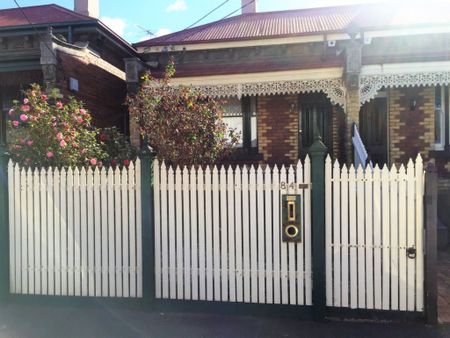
(67, 10)
(310, 9)
(56, 6)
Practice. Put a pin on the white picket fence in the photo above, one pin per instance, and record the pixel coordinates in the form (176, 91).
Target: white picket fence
(372, 217)
(75, 232)
(218, 235)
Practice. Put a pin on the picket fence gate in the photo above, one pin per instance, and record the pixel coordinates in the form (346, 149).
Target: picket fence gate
(374, 237)
(218, 237)
(214, 234)
(75, 232)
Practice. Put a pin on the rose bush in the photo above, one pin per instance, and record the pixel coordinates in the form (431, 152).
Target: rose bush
(46, 130)
(182, 125)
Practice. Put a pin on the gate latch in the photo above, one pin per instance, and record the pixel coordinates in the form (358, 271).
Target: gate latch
(411, 252)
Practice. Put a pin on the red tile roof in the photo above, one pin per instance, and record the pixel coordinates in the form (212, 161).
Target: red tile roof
(306, 22)
(44, 14)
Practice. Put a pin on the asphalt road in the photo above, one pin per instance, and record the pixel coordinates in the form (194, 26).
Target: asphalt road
(33, 321)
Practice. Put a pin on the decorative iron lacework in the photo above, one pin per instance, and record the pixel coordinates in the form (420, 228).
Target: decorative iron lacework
(333, 88)
(371, 84)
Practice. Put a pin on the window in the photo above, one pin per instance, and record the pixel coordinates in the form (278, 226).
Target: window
(439, 118)
(241, 116)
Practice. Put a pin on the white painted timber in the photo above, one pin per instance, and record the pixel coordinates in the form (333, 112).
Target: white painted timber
(77, 234)
(379, 216)
(228, 245)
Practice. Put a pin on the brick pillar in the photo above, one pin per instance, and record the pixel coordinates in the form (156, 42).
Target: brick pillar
(278, 128)
(133, 69)
(353, 54)
(352, 116)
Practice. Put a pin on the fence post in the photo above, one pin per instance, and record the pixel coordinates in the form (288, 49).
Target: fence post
(431, 245)
(4, 221)
(318, 151)
(148, 245)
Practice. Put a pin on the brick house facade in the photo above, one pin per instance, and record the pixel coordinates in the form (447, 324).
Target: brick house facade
(74, 52)
(377, 68)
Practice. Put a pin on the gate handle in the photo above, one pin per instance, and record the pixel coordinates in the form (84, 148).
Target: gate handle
(411, 252)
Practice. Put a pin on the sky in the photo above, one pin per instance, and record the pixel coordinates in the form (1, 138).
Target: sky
(133, 19)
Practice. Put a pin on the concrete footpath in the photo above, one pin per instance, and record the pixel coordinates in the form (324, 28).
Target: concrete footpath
(32, 321)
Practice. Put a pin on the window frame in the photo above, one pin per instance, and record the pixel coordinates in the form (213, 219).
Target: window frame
(444, 120)
(246, 111)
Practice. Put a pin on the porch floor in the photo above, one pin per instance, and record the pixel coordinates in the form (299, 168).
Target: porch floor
(444, 286)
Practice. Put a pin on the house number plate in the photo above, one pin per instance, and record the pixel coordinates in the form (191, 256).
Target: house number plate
(292, 185)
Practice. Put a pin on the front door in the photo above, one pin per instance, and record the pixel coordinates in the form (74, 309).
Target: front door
(315, 111)
(373, 129)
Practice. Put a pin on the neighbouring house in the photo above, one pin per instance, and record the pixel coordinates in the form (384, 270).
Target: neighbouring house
(71, 50)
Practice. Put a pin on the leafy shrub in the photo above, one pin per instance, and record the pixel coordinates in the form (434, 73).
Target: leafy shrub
(117, 147)
(182, 125)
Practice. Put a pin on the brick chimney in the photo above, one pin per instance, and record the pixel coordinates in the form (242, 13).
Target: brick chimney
(88, 7)
(249, 6)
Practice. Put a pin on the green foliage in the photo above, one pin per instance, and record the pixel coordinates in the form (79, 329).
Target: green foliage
(117, 147)
(183, 126)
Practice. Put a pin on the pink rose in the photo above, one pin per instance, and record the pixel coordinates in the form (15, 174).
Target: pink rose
(80, 120)
(30, 143)
(62, 144)
(93, 161)
(25, 101)
(59, 136)
(11, 111)
(44, 97)
(25, 108)
(50, 154)
(15, 123)
(23, 117)
(59, 105)
(82, 111)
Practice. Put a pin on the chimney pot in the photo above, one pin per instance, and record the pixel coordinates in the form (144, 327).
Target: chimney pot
(88, 7)
(249, 6)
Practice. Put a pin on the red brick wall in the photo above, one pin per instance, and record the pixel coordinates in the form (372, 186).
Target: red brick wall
(410, 131)
(278, 128)
(102, 92)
